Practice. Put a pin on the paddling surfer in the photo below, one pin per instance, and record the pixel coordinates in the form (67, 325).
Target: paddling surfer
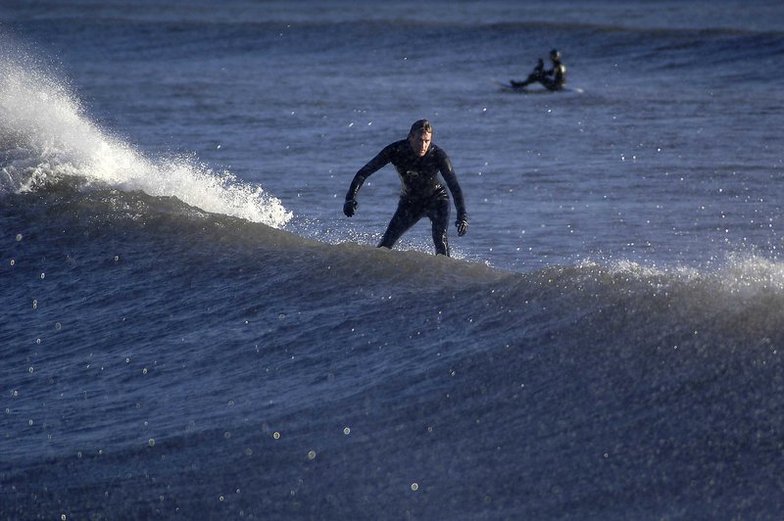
(552, 79)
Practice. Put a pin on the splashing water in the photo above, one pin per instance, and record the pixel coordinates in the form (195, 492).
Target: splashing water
(45, 135)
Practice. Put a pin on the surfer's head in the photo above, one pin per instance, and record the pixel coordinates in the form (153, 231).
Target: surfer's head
(555, 55)
(419, 137)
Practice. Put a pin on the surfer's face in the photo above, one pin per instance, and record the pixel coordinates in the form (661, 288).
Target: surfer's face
(420, 143)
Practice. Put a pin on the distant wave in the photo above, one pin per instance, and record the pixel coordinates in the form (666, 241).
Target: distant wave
(730, 17)
(546, 25)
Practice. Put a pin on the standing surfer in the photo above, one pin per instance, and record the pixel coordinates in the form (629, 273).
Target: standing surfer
(418, 162)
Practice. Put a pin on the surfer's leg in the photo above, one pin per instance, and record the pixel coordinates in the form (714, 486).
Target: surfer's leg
(404, 218)
(532, 78)
(439, 219)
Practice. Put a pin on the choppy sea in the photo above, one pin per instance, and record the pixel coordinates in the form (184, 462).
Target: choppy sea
(191, 329)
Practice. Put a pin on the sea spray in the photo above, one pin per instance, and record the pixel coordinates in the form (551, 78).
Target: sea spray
(45, 135)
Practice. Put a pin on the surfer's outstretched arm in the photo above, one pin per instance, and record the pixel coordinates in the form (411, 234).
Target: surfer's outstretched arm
(374, 165)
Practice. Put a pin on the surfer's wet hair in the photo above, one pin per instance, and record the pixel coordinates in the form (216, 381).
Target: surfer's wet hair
(420, 126)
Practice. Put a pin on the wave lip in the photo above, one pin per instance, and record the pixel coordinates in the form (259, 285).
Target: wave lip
(45, 135)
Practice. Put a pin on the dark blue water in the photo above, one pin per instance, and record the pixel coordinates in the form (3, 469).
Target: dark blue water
(191, 329)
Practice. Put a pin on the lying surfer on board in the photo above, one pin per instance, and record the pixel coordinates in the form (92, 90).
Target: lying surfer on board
(552, 79)
(418, 163)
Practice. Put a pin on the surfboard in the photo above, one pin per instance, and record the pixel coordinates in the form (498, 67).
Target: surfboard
(508, 87)
(533, 88)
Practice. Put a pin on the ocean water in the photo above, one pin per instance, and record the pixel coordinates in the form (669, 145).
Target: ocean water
(191, 329)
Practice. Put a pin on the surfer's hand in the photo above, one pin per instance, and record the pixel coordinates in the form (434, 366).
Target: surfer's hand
(349, 207)
(462, 226)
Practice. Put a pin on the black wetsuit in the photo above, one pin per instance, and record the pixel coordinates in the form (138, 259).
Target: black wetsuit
(422, 193)
(558, 72)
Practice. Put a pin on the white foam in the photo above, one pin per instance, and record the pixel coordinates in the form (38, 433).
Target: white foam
(742, 274)
(45, 134)
(750, 274)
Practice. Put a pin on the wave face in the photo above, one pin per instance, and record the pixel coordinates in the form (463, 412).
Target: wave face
(192, 330)
(164, 363)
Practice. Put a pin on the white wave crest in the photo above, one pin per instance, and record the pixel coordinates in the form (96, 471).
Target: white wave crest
(45, 134)
(745, 275)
